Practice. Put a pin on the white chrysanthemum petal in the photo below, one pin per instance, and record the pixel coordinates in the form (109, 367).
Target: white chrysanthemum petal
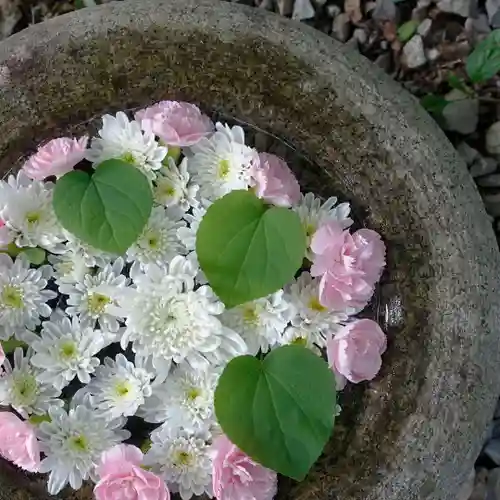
(20, 388)
(121, 138)
(182, 458)
(173, 187)
(221, 163)
(185, 399)
(92, 300)
(92, 257)
(26, 210)
(119, 388)
(66, 349)
(158, 243)
(73, 443)
(187, 234)
(260, 322)
(23, 296)
(69, 268)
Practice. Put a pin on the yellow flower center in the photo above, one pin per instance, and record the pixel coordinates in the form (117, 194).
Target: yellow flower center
(128, 158)
(193, 393)
(97, 303)
(315, 305)
(33, 217)
(25, 387)
(182, 458)
(78, 443)
(12, 297)
(302, 341)
(68, 350)
(310, 229)
(122, 388)
(223, 169)
(250, 315)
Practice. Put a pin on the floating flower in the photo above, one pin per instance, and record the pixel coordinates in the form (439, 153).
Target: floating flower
(67, 349)
(90, 298)
(314, 213)
(26, 210)
(175, 123)
(23, 297)
(185, 399)
(121, 476)
(237, 476)
(182, 459)
(20, 388)
(123, 139)
(57, 157)
(73, 443)
(260, 322)
(119, 388)
(349, 266)
(159, 243)
(355, 351)
(222, 163)
(18, 443)
(274, 182)
(173, 186)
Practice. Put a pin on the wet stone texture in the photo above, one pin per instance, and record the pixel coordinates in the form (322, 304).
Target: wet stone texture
(415, 431)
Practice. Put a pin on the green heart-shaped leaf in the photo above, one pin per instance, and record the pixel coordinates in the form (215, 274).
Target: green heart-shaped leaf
(279, 411)
(109, 209)
(248, 249)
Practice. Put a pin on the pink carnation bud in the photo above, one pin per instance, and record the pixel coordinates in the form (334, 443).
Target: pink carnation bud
(18, 442)
(57, 157)
(175, 123)
(274, 182)
(121, 476)
(355, 351)
(349, 265)
(237, 476)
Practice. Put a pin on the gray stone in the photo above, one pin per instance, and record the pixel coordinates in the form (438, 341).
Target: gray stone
(478, 25)
(493, 140)
(493, 485)
(492, 205)
(432, 54)
(462, 115)
(303, 9)
(467, 487)
(480, 489)
(341, 27)
(413, 52)
(469, 154)
(385, 10)
(285, 7)
(333, 10)
(360, 36)
(492, 180)
(483, 166)
(493, 10)
(384, 61)
(414, 432)
(424, 27)
(462, 8)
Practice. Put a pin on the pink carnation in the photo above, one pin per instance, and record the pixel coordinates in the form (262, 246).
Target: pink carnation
(121, 476)
(349, 265)
(175, 123)
(57, 157)
(355, 351)
(237, 476)
(274, 182)
(18, 442)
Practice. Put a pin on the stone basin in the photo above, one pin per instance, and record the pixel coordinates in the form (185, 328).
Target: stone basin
(415, 431)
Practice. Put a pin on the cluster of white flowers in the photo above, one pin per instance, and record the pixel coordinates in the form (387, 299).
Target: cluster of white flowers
(82, 306)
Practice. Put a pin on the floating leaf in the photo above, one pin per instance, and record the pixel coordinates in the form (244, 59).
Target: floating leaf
(248, 249)
(484, 62)
(108, 209)
(407, 30)
(280, 411)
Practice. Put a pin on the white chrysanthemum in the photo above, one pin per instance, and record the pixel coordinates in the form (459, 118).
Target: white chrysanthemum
(185, 399)
(92, 257)
(158, 243)
(23, 298)
(173, 186)
(69, 268)
(73, 443)
(119, 387)
(66, 349)
(313, 213)
(20, 388)
(260, 322)
(182, 459)
(124, 139)
(90, 300)
(221, 163)
(187, 234)
(305, 336)
(173, 322)
(303, 294)
(26, 209)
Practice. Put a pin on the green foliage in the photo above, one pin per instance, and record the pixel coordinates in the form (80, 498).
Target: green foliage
(484, 62)
(108, 209)
(433, 103)
(34, 255)
(38, 419)
(247, 249)
(12, 344)
(459, 84)
(280, 411)
(407, 30)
